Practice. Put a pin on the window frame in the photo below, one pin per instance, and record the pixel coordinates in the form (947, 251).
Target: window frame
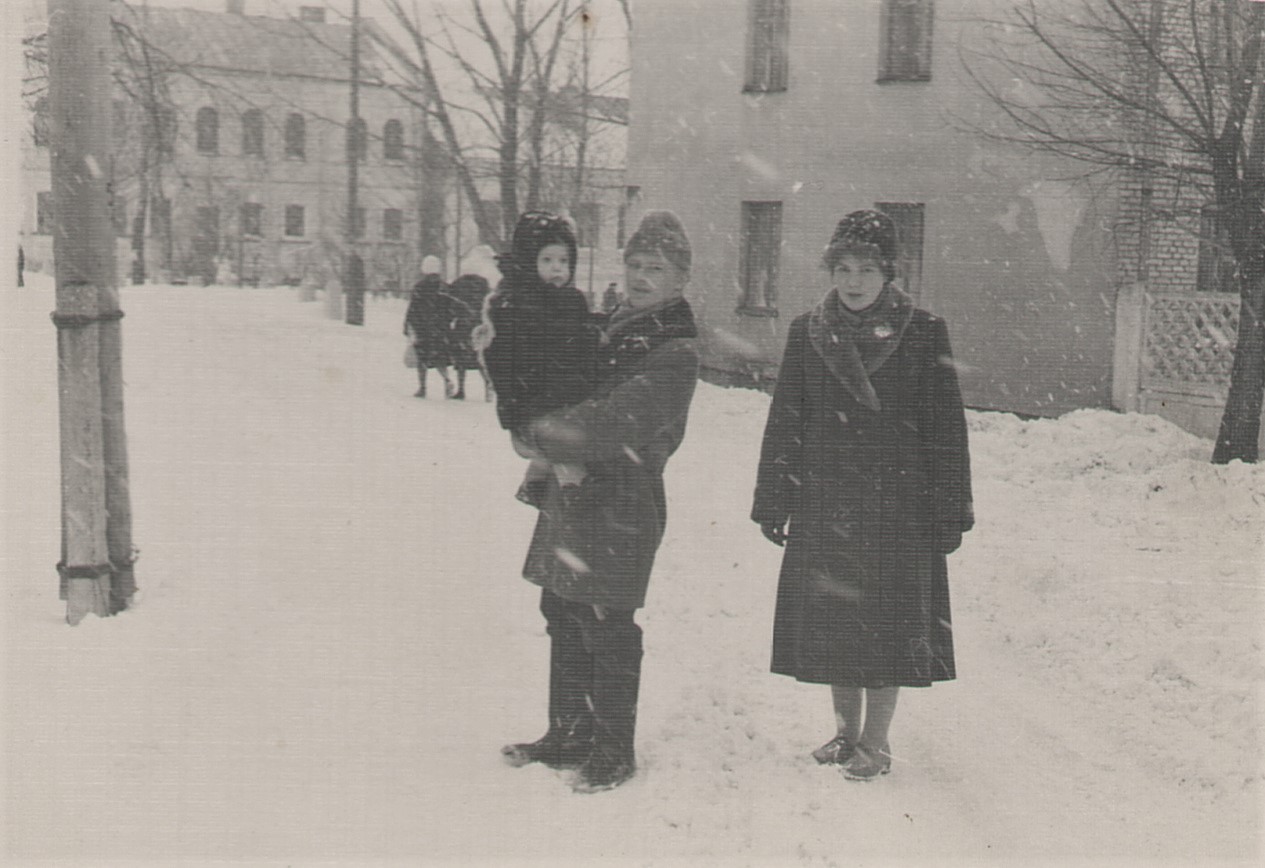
(207, 130)
(256, 210)
(1214, 263)
(915, 21)
(296, 136)
(910, 219)
(393, 140)
(763, 303)
(253, 142)
(392, 224)
(767, 67)
(292, 212)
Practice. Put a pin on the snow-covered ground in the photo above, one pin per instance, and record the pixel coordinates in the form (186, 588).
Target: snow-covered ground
(331, 641)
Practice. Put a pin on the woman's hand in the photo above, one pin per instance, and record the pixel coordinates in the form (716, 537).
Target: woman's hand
(775, 532)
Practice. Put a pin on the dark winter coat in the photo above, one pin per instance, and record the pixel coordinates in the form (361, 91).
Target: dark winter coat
(543, 354)
(427, 321)
(464, 299)
(597, 544)
(875, 500)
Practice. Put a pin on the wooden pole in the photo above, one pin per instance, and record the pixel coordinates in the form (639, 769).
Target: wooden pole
(354, 282)
(83, 248)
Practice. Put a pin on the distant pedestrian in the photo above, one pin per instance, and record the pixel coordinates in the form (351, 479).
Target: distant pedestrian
(865, 455)
(539, 341)
(426, 321)
(21, 266)
(610, 298)
(594, 547)
(465, 298)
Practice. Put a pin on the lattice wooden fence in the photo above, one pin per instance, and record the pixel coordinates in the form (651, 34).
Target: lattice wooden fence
(1189, 342)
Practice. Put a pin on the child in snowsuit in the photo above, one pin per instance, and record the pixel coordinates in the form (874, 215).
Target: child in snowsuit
(865, 456)
(539, 341)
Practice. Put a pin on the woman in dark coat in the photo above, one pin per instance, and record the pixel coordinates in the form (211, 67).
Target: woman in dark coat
(865, 454)
(465, 297)
(426, 320)
(595, 544)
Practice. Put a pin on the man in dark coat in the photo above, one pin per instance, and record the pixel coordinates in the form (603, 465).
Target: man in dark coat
(865, 454)
(594, 547)
(427, 322)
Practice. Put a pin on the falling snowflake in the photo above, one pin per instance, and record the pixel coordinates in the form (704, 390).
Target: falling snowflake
(574, 562)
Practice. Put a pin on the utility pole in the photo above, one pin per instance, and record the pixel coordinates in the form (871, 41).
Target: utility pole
(354, 282)
(96, 559)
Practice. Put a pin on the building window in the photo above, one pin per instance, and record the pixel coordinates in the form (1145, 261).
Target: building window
(393, 224)
(296, 137)
(767, 45)
(905, 40)
(252, 220)
(761, 252)
(40, 122)
(357, 139)
(295, 221)
(44, 213)
(1215, 268)
(588, 224)
(393, 140)
(358, 223)
(908, 217)
(631, 194)
(208, 127)
(253, 133)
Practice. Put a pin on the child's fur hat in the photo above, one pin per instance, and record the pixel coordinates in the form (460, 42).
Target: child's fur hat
(535, 231)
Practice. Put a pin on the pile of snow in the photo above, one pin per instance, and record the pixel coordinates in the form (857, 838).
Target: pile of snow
(331, 640)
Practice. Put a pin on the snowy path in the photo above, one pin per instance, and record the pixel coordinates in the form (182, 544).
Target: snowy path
(331, 641)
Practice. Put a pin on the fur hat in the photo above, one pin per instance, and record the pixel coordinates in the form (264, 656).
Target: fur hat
(661, 232)
(535, 231)
(868, 232)
(431, 264)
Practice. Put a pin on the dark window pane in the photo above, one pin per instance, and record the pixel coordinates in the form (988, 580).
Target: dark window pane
(761, 254)
(296, 137)
(908, 217)
(44, 213)
(905, 47)
(767, 45)
(295, 221)
(208, 130)
(393, 140)
(253, 133)
(393, 224)
(252, 219)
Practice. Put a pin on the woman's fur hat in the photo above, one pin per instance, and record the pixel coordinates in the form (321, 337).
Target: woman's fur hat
(661, 232)
(869, 232)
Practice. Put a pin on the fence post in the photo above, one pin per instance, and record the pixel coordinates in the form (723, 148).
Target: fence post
(1126, 366)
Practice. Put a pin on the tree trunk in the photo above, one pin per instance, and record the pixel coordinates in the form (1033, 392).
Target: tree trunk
(1241, 421)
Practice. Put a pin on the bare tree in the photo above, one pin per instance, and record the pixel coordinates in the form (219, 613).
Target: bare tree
(1167, 90)
(506, 58)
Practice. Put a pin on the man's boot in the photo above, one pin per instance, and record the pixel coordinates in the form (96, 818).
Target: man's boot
(569, 740)
(616, 684)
